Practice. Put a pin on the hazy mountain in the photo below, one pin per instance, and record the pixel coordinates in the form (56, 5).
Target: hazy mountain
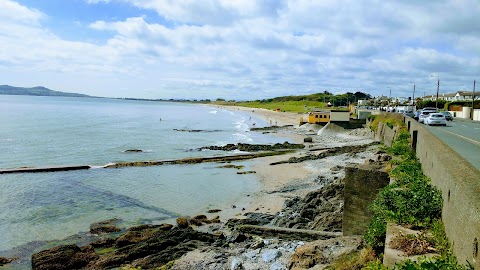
(35, 91)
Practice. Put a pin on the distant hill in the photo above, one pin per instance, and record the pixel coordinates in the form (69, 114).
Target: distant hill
(35, 91)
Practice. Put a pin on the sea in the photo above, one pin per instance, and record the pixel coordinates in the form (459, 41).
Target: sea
(56, 131)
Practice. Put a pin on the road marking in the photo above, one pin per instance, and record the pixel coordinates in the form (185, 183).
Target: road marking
(463, 137)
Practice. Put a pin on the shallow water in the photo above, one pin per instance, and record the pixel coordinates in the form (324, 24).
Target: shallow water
(46, 131)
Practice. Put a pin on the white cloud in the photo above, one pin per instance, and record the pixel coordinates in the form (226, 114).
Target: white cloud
(97, 1)
(254, 49)
(12, 11)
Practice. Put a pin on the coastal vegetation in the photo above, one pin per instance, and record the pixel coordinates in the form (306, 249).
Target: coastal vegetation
(301, 103)
(410, 201)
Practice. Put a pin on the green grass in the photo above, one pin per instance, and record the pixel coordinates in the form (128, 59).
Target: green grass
(411, 201)
(284, 106)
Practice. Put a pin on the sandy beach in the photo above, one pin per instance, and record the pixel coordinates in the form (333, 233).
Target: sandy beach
(281, 182)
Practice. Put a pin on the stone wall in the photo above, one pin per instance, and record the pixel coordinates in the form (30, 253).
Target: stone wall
(362, 184)
(459, 182)
(384, 133)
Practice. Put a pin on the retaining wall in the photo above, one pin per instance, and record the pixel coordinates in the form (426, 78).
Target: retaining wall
(459, 182)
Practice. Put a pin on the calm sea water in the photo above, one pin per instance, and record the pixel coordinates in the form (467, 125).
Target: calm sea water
(48, 131)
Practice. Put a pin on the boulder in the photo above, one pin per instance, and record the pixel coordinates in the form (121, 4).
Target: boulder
(63, 257)
(270, 255)
(323, 251)
(308, 139)
(4, 261)
(319, 210)
(182, 222)
(140, 233)
(236, 237)
(105, 226)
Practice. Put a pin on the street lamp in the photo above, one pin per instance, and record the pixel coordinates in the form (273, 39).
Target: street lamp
(438, 87)
(413, 97)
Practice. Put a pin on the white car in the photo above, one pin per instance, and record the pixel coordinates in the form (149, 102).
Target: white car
(435, 119)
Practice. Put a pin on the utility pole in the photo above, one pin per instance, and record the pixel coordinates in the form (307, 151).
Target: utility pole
(413, 97)
(438, 87)
(473, 99)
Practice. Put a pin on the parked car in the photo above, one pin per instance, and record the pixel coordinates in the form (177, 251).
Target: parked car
(435, 119)
(448, 116)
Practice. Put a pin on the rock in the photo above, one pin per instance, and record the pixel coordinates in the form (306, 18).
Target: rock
(63, 257)
(236, 237)
(133, 151)
(246, 172)
(182, 222)
(140, 233)
(253, 147)
(213, 210)
(270, 255)
(251, 219)
(236, 264)
(4, 261)
(104, 243)
(238, 167)
(351, 149)
(320, 210)
(196, 222)
(257, 245)
(308, 139)
(323, 251)
(277, 266)
(162, 227)
(157, 250)
(336, 168)
(105, 226)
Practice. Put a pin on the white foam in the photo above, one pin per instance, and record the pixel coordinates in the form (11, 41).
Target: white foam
(240, 125)
(214, 112)
(242, 137)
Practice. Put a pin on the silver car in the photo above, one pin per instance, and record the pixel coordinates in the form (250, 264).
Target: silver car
(435, 119)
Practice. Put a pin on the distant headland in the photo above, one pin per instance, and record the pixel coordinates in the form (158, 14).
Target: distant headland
(35, 91)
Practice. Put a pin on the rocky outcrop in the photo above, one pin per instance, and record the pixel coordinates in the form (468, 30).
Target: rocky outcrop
(65, 257)
(351, 149)
(322, 252)
(320, 210)
(250, 219)
(271, 128)
(193, 160)
(4, 261)
(133, 151)
(254, 147)
(145, 246)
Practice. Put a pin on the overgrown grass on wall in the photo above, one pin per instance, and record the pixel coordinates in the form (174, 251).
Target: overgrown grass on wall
(410, 201)
(390, 119)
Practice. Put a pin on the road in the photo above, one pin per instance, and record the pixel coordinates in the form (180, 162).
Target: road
(463, 136)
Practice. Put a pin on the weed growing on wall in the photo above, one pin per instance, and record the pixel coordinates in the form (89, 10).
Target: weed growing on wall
(411, 201)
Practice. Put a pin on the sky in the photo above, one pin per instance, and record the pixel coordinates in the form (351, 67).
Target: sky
(240, 49)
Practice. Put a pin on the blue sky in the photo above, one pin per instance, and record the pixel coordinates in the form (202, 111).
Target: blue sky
(238, 49)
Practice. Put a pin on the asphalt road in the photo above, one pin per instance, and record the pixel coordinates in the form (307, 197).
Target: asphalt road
(463, 136)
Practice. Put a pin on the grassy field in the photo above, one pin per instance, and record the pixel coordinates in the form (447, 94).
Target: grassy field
(284, 106)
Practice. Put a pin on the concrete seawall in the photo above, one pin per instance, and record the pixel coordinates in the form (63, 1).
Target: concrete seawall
(459, 182)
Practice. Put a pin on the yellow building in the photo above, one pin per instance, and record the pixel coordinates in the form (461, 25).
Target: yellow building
(318, 117)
